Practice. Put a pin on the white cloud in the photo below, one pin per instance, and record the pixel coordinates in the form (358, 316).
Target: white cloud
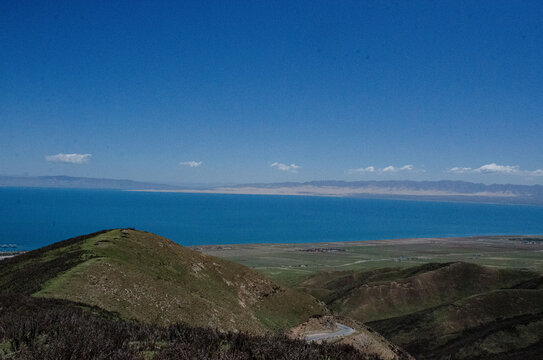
(284, 167)
(494, 168)
(393, 169)
(69, 158)
(369, 169)
(192, 164)
(460, 170)
(388, 169)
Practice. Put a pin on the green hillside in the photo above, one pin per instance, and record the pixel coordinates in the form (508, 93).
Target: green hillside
(501, 324)
(149, 278)
(443, 311)
(391, 292)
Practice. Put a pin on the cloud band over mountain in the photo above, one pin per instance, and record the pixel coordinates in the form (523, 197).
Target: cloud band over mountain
(284, 167)
(69, 158)
(494, 168)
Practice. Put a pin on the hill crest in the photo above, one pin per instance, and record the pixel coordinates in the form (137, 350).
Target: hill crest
(149, 278)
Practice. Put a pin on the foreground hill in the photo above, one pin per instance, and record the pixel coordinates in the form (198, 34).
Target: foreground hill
(149, 278)
(443, 311)
(52, 329)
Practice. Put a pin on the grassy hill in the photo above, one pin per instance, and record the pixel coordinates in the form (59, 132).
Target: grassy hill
(443, 311)
(501, 324)
(390, 292)
(53, 329)
(149, 278)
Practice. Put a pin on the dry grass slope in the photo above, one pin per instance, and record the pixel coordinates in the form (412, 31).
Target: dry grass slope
(149, 278)
(53, 329)
(443, 311)
(391, 292)
(501, 324)
(364, 339)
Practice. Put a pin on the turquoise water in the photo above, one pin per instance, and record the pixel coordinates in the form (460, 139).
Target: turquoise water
(32, 218)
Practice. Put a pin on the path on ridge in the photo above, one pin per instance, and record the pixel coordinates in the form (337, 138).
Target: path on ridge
(343, 330)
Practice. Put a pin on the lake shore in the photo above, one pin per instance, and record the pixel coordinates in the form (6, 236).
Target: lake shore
(291, 263)
(335, 191)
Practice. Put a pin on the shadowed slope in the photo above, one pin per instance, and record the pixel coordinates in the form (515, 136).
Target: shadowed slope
(53, 329)
(443, 311)
(501, 324)
(384, 293)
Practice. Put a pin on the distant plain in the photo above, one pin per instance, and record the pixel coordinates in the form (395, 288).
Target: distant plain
(292, 263)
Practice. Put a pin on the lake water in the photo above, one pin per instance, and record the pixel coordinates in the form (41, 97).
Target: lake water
(32, 218)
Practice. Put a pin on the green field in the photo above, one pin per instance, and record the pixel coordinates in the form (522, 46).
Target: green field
(292, 263)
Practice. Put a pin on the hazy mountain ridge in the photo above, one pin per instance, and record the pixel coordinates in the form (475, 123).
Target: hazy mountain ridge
(441, 185)
(443, 190)
(80, 183)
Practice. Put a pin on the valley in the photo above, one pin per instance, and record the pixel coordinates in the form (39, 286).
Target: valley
(439, 298)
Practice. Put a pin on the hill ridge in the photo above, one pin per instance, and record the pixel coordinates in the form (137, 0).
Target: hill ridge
(153, 279)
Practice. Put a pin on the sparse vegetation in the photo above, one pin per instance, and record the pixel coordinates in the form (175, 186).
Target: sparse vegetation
(126, 294)
(443, 311)
(391, 292)
(503, 324)
(52, 329)
(28, 272)
(149, 278)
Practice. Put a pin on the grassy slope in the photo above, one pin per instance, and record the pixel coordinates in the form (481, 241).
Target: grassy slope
(26, 273)
(501, 324)
(391, 292)
(147, 277)
(53, 329)
(443, 311)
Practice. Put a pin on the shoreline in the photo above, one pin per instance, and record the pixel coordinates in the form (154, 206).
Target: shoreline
(450, 240)
(444, 197)
(330, 191)
(374, 242)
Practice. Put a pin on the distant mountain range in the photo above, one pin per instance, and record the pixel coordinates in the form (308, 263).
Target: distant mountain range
(444, 190)
(80, 183)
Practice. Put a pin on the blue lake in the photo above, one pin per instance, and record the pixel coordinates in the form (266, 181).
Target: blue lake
(32, 218)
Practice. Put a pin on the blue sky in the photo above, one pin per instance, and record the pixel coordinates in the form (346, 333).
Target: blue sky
(233, 92)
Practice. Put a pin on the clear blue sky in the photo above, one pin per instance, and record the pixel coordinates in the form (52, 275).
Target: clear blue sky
(231, 88)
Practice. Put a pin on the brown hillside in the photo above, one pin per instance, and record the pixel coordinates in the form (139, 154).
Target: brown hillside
(150, 278)
(384, 293)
